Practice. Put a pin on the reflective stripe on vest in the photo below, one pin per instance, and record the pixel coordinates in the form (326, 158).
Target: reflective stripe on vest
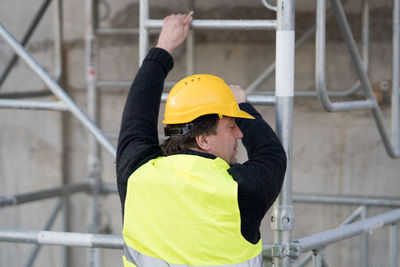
(184, 209)
(141, 260)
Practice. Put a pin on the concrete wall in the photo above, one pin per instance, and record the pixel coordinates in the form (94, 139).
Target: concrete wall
(334, 153)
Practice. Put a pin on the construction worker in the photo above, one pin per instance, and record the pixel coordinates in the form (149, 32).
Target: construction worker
(187, 202)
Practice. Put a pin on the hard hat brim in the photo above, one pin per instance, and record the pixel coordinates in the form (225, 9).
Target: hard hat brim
(244, 115)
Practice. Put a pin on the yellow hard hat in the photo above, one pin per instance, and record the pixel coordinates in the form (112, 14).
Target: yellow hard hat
(198, 95)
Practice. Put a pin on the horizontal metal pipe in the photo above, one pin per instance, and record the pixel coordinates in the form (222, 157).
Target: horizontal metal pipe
(115, 31)
(267, 100)
(32, 104)
(267, 252)
(318, 199)
(197, 24)
(348, 105)
(44, 194)
(346, 200)
(220, 24)
(346, 231)
(58, 91)
(302, 93)
(261, 100)
(253, 99)
(340, 93)
(108, 188)
(62, 238)
(26, 94)
(108, 83)
(125, 84)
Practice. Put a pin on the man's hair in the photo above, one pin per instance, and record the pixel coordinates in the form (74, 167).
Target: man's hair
(206, 124)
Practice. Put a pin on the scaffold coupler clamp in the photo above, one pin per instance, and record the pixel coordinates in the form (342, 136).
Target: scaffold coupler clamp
(292, 250)
(7, 201)
(282, 218)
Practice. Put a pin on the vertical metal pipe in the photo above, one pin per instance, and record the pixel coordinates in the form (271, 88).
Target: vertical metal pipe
(395, 74)
(190, 54)
(26, 38)
(66, 228)
(143, 31)
(190, 47)
(58, 36)
(365, 33)
(58, 76)
(93, 113)
(393, 246)
(364, 241)
(320, 47)
(317, 258)
(282, 220)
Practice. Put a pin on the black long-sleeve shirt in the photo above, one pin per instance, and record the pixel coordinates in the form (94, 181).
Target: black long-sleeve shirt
(259, 179)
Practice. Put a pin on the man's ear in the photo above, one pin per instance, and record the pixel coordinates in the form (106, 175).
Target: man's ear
(202, 142)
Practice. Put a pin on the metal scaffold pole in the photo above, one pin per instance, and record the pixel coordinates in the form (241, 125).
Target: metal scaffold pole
(93, 112)
(190, 47)
(395, 130)
(282, 220)
(143, 31)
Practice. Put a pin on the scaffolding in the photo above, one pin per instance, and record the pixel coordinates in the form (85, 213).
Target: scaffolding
(284, 249)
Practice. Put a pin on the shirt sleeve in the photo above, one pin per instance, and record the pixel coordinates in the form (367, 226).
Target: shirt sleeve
(260, 178)
(138, 137)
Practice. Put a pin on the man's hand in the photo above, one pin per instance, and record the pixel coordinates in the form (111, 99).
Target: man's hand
(239, 92)
(173, 32)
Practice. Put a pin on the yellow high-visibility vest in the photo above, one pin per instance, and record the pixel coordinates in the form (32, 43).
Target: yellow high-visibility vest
(183, 209)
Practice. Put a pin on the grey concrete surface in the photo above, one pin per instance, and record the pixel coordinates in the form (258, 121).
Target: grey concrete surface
(334, 153)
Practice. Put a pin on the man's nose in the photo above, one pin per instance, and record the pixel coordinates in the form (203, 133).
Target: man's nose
(238, 133)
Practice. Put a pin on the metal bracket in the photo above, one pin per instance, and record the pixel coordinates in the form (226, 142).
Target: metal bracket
(282, 218)
(7, 201)
(292, 250)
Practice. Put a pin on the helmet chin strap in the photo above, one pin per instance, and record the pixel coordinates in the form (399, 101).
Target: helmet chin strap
(178, 130)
